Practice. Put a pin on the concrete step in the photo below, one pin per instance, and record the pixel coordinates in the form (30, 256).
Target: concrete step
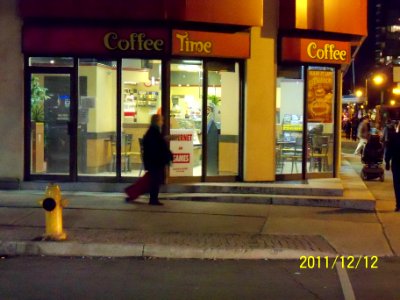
(332, 187)
(314, 187)
(294, 200)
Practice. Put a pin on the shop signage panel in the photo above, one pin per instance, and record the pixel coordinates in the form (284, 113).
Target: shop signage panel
(41, 40)
(246, 13)
(320, 96)
(315, 51)
(210, 44)
(181, 146)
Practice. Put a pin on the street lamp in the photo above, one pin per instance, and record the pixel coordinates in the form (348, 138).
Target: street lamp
(378, 80)
(396, 90)
(359, 93)
(392, 102)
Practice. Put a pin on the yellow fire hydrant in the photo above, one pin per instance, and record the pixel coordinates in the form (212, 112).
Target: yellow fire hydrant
(53, 205)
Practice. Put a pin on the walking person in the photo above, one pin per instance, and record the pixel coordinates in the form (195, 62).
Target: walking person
(362, 134)
(395, 152)
(156, 156)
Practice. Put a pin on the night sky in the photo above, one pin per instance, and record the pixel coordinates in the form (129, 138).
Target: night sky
(365, 59)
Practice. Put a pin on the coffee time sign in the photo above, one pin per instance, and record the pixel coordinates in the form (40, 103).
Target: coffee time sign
(315, 51)
(211, 44)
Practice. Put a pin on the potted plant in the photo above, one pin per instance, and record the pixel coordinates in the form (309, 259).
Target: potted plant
(214, 99)
(38, 96)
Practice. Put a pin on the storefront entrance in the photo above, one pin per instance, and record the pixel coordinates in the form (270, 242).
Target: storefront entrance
(50, 123)
(305, 127)
(205, 99)
(87, 117)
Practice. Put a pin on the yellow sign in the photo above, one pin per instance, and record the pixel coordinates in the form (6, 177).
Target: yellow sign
(188, 45)
(320, 96)
(315, 51)
(292, 127)
(327, 52)
(136, 41)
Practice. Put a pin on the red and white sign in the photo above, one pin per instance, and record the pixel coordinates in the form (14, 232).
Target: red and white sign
(182, 148)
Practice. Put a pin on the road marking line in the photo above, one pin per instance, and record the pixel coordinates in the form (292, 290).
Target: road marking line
(345, 283)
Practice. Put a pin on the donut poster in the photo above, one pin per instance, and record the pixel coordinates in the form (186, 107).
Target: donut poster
(320, 97)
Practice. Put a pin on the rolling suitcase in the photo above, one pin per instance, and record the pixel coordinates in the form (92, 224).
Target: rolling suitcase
(140, 187)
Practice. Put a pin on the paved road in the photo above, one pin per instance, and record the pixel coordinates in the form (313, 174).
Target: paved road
(104, 278)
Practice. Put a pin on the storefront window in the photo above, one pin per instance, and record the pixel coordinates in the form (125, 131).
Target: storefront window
(204, 105)
(320, 117)
(141, 98)
(97, 110)
(289, 121)
(50, 100)
(291, 153)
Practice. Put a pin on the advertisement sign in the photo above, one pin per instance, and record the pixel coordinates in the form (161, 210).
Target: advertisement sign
(315, 51)
(181, 146)
(396, 74)
(213, 44)
(320, 96)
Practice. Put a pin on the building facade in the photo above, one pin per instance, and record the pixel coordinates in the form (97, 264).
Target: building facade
(249, 93)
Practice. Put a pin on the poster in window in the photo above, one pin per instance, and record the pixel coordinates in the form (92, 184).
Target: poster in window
(320, 96)
(181, 146)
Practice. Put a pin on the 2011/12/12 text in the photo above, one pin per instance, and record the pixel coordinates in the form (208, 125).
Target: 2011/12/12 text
(345, 262)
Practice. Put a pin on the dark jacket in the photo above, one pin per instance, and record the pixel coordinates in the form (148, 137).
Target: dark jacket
(156, 154)
(394, 147)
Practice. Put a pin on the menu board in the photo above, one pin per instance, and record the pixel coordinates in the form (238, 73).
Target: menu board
(181, 146)
(320, 96)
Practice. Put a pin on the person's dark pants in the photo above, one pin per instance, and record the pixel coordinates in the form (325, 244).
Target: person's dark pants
(156, 179)
(396, 180)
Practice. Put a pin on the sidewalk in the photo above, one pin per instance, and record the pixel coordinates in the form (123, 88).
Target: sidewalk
(101, 224)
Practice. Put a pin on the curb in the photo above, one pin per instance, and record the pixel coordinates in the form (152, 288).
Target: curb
(29, 248)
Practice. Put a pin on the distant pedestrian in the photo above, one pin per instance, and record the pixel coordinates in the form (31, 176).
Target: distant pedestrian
(347, 128)
(395, 152)
(387, 137)
(363, 135)
(354, 126)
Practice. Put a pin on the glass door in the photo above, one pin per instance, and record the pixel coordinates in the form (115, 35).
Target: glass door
(50, 120)
(320, 121)
(205, 119)
(186, 118)
(223, 103)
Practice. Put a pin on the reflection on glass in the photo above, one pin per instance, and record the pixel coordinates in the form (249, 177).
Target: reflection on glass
(51, 62)
(223, 119)
(50, 116)
(289, 127)
(186, 118)
(141, 98)
(97, 110)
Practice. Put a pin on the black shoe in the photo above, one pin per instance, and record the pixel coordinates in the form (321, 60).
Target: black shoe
(397, 209)
(128, 200)
(387, 167)
(156, 203)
